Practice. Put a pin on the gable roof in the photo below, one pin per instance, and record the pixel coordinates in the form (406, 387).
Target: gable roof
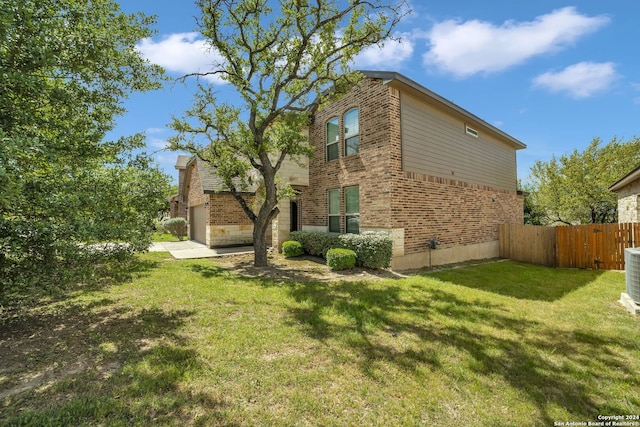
(626, 180)
(209, 181)
(394, 77)
(182, 161)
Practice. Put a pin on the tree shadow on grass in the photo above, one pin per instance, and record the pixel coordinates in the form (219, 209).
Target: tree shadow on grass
(519, 280)
(409, 326)
(43, 287)
(100, 363)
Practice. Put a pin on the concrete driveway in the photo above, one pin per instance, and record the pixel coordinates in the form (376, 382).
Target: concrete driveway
(189, 249)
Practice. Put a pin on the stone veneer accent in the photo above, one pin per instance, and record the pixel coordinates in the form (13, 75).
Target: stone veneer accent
(412, 207)
(628, 203)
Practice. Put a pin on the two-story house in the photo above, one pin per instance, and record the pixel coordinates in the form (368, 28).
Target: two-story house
(393, 156)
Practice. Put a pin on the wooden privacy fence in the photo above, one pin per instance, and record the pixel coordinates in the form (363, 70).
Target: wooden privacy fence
(599, 246)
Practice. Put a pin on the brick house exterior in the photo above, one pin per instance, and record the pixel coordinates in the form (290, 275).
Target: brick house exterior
(425, 168)
(393, 156)
(628, 190)
(214, 216)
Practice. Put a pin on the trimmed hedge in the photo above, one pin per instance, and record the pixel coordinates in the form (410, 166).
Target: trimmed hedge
(316, 243)
(292, 248)
(373, 249)
(341, 259)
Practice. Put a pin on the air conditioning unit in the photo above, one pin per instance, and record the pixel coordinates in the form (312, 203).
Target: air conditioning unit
(632, 268)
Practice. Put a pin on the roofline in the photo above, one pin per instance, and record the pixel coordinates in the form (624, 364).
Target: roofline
(389, 76)
(185, 183)
(626, 180)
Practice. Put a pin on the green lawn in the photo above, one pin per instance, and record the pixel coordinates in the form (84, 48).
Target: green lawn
(164, 237)
(190, 343)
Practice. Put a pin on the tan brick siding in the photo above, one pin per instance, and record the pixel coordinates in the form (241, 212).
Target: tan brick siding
(369, 169)
(224, 209)
(195, 196)
(454, 212)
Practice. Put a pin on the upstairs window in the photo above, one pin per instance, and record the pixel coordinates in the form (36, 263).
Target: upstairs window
(351, 132)
(333, 135)
(471, 131)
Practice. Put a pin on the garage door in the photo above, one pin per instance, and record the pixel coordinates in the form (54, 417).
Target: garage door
(198, 229)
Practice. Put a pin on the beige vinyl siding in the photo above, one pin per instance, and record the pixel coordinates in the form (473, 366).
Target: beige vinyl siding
(435, 143)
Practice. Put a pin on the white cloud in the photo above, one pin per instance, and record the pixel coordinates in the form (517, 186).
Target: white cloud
(580, 80)
(471, 47)
(155, 130)
(157, 144)
(389, 55)
(182, 53)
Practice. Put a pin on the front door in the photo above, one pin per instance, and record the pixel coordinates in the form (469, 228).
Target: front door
(293, 206)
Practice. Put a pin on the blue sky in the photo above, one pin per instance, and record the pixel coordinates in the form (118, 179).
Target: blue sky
(552, 74)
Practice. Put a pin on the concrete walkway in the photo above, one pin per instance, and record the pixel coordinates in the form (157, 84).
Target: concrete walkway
(189, 249)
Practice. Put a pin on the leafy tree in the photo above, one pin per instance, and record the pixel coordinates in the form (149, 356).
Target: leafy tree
(66, 67)
(282, 58)
(533, 213)
(574, 188)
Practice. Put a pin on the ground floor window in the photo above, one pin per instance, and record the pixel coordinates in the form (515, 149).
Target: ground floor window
(352, 209)
(334, 210)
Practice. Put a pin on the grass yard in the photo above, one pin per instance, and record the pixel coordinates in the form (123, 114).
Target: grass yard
(193, 343)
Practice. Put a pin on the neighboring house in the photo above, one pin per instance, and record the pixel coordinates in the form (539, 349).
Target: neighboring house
(628, 189)
(394, 156)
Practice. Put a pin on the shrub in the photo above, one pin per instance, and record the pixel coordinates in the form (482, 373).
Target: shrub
(177, 227)
(373, 249)
(316, 243)
(340, 259)
(292, 248)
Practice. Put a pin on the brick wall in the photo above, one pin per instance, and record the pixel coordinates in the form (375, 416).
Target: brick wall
(224, 209)
(369, 168)
(179, 207)
(456, 213)
(195, 195)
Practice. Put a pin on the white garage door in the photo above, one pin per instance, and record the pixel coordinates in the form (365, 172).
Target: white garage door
(198, 226)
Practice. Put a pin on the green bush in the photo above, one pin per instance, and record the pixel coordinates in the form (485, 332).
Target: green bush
(340, 259)
(316, 243)
(373, 249)
(177, 227)
(292, 248)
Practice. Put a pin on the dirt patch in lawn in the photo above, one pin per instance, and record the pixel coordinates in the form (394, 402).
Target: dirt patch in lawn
(305, 268)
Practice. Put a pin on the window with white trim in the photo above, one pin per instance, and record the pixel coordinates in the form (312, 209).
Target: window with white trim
(351, 132)
(352, 209)
(333, 136)
(333, 197)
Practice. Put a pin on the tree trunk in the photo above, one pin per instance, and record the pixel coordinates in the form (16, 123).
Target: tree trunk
(268, 211)
(260, 244)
